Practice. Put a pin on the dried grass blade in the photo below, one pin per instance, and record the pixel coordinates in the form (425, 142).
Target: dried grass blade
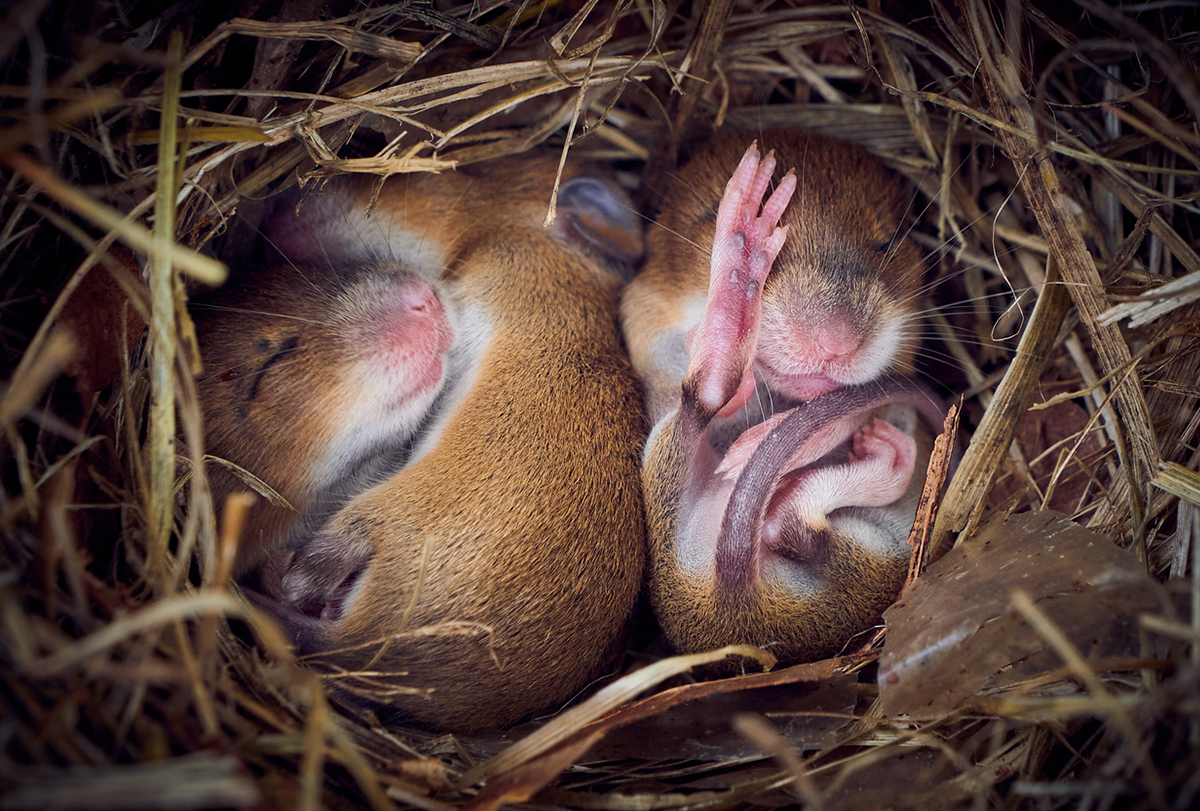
(701, 55)
(810, 672)
(611, 697)
(967, 494)
(94, 102)
(905, 79)
(551, 211)
(1104, 701)
(740, 791)
(31, 379)
(1171, 142)
(1178, 481)
(409, 797)
(937, 471)
(165, 610)
(559, 41)
(195, 781)
(353, 759)
(1155, 303)
(759, 731)
(1172, 241)
(485, 35)
(312, 758)
(137, 237)
(214, 134)
(247, 478)
(1048, 199)
(522, 783)
(479, 79)
(163, 337)
(1166, 627)
(1181, 75)
(194, 673)
(352, 39)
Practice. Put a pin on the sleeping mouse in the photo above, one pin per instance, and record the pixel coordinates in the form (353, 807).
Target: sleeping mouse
(773, 339)
(440, 391)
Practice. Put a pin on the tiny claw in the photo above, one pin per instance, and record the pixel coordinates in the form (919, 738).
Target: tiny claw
(762, 179)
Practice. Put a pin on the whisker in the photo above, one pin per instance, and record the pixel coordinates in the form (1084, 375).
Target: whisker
(694, 193)
(681, 237)
(896, 239)
(706, 250)
(200, 305)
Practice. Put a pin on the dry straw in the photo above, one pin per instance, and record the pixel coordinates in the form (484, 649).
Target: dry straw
(1055, 162)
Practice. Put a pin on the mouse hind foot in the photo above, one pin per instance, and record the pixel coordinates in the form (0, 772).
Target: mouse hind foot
(747, 241)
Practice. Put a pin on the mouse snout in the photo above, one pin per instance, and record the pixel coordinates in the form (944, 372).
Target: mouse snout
(834, 342)
(402, 322)
(810, 342)
(418, 298)
(418, 315)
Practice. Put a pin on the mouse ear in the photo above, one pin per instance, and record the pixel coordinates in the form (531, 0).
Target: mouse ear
(323, 228)
(595, 215)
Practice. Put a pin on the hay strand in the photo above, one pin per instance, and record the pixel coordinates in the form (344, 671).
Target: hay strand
(161, 447)
(963, 504)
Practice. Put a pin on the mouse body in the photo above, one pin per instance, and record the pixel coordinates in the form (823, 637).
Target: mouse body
(774, 339)
(491, 572)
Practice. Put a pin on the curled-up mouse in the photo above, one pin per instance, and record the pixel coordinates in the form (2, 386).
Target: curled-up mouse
(437, 385)
(774, 327)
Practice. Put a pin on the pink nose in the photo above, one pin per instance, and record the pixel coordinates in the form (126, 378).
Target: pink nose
(420, 299)
(835, 343)
(412, 319)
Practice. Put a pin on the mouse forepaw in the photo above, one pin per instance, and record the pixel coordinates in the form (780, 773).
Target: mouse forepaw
(745, 244)
(746, 225)
(877, 473)
(881, 463)
(318, 578)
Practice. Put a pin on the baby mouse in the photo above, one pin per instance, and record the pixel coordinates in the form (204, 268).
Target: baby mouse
(779, 471)
(491, 572)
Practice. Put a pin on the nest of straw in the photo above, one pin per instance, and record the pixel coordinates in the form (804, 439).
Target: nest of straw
(1054, 161)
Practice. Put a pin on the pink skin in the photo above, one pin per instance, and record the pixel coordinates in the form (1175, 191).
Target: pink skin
(878, 472)
(412, 332)
(723, 347)
(746, 243)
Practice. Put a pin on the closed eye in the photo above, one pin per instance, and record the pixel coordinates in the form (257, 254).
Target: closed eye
(287, 346)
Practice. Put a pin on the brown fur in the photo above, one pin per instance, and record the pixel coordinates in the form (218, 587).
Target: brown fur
(696, 615)
(821, 218)
(530, 504)
(301, 391)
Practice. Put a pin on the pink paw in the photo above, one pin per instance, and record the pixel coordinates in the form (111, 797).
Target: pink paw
(882, 462)
(745, 245)
(877, 473)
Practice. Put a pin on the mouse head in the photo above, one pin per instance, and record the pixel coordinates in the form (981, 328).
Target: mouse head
(313, 375)
(839, 305)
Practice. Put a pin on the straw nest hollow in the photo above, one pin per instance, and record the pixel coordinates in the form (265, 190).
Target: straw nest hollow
(1054, 161)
